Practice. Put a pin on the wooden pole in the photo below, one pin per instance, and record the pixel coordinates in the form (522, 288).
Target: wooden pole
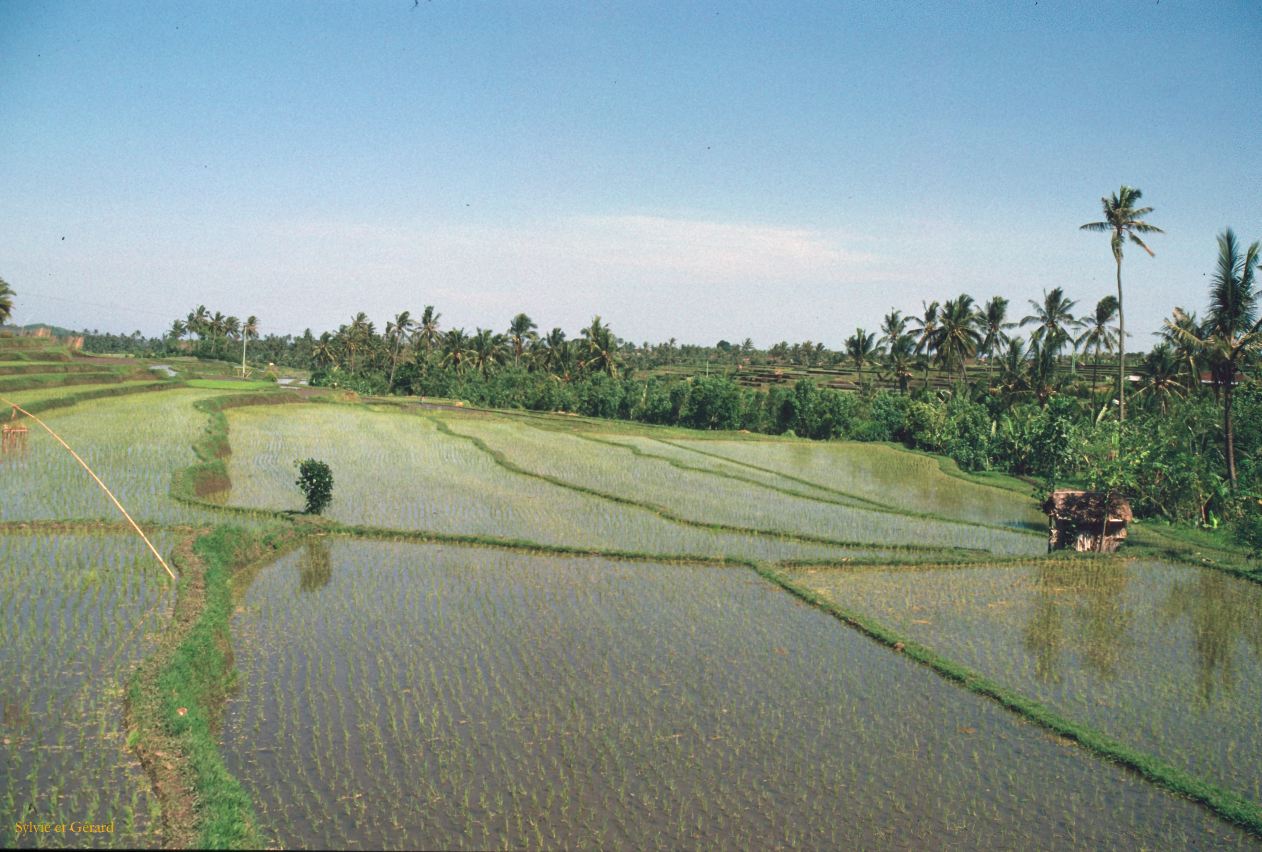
(98, 481)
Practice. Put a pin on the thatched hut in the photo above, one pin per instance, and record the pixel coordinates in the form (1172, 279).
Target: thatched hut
(1086, 520)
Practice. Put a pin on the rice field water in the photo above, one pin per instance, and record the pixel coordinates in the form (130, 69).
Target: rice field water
(887, 475)
(394, 470)
(408, 696)
(76, 612)
(704, 497)
(134, 443)
(1165, 657)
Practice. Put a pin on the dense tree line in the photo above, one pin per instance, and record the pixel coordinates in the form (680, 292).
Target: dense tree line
(1183, 438)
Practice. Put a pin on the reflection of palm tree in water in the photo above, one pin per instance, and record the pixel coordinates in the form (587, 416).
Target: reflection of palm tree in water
(1220, 613)
(1089, 596)
(315, 566)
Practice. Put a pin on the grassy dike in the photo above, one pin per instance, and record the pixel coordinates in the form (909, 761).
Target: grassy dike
(174, 699)
(1228, 805)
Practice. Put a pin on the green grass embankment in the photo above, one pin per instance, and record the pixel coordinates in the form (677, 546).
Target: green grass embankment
(175, 698)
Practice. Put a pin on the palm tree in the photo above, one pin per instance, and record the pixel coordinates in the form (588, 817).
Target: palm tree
(427, 329)
(1014, 375)
(1161, 375)
(893, 327)
(861, 347)
(178, 329)
(1099, 333)
(248, 331)
(356, 336)
(455, 349)
(1124, 221)
(1054, 317)
(1185, 340)
(925, 330)
(324, 350)
(486, 350)
(901, 359)
(6, 301)
(521, 332)
(600, 348)
(555, 355)
(398, 330)
(956, 337)
(993, 319)
(1231, 330)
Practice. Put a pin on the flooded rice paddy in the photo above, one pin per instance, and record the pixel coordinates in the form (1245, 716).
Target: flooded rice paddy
(405, 696)
(1166, 657)
(76, 612)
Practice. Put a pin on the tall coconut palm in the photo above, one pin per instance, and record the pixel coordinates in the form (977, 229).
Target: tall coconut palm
(324, 351)
(177, 330)
(427, 329)
(486, 350)
(600, 348)
(893, 327)
(357, 337)
(1161, 376)
(1053, 318)
(993, 319)
(956, 337)
(455, 345)
(1185, 340)
(1124, 221)
(521, 333)
(1099, 333)
(900, 360)
(555, 355)
(861, 347)
(249, 330)
(925, 330)
(1232, 330)
(6, 301)
(398, 330)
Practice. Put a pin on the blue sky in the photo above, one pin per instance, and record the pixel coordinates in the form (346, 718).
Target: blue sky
(687, 170)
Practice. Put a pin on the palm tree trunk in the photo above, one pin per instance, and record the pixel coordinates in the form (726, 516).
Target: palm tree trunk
(1228, 433)
(244, 337)
(1121, 347)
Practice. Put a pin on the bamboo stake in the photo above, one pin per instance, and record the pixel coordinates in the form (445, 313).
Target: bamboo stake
(92, 474)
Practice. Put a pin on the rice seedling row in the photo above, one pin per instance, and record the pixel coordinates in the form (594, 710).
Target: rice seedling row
(400, 696)
(1164, 657)
(76, 612)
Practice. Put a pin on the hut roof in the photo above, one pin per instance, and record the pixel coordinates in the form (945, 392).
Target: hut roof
(1086, 507)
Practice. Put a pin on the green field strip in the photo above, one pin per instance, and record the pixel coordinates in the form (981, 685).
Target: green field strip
(20, 368)
(863, 562)
(46, 380)
(662, 512)
(1227, 804)
(47, 399)
(842, 498)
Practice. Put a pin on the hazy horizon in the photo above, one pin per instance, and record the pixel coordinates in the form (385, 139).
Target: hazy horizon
(695, 172)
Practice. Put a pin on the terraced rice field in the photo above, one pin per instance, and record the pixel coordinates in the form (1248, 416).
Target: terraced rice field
(1162, 656)
(405, 696)
(703, 496)
(890, 477)
(134, 443)
(76, 612)
(398, 471)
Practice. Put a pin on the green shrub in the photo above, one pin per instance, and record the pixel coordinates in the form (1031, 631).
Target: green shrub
(316, 481)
